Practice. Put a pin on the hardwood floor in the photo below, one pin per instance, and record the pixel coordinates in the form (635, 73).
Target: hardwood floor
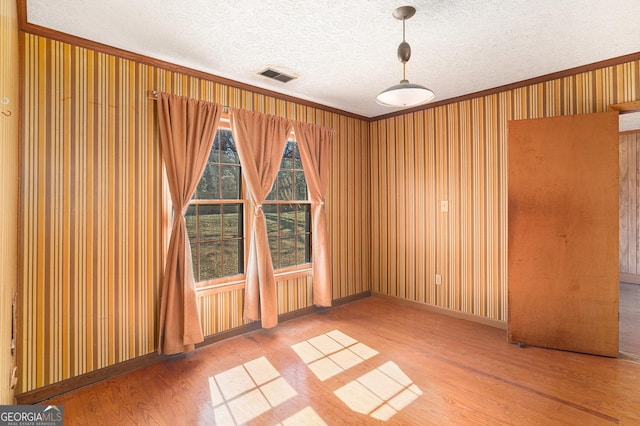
(630, 318)
(388, 361)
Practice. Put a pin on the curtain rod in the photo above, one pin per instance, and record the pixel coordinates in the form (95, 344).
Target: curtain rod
(153, 94)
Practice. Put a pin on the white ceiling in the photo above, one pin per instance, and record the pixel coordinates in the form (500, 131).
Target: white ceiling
(344, 52)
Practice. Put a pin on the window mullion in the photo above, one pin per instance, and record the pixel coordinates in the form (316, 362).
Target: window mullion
(278, 228)
(197, 246)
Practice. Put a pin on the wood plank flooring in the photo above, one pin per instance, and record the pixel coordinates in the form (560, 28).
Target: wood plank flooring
(395, 363)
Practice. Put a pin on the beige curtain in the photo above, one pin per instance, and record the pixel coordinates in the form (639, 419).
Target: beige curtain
(314, 144)
(260, 141)
(187, 130)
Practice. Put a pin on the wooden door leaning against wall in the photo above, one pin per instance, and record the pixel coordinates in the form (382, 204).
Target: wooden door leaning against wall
(563, 233)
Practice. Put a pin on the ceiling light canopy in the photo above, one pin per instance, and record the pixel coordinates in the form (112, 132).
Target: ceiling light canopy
(404, 94)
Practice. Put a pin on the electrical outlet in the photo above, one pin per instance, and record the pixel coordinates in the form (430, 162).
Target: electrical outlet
(438, 279)
(444, 206)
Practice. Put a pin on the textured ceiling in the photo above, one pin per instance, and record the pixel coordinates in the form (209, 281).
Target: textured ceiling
(344, 52)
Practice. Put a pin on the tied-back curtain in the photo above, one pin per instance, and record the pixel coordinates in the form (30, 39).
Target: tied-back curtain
(260, 140)
(187, 129)
(314, 144)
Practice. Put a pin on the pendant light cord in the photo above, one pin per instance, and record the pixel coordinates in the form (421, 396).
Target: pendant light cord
(404, 63)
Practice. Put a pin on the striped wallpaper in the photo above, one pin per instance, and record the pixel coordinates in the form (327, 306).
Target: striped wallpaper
(95, 212)
(458, 153)
(630, 204)
(9, 176)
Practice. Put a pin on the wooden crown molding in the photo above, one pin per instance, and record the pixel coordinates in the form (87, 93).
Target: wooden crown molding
(626, 107)
(38, 30)
(27, 27)
(517, 85)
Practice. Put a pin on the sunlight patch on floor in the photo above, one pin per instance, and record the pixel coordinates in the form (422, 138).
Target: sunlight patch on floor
(332, 353)
(247, 391)
(307, 417)
(381, 393)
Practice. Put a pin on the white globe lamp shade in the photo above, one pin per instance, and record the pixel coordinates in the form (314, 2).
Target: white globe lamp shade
(405, 94)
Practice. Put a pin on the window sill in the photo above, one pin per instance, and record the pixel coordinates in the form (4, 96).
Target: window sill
(220, 285)
(238, 282)
(291, 272)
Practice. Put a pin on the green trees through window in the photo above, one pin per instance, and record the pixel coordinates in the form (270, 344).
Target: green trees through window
(288, 212)
(215, 222)
(215, 215)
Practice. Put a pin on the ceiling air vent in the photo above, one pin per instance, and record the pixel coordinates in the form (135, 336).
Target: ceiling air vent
(276, 75)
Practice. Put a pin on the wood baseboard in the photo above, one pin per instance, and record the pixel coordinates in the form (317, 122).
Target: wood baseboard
(629, 278)
(352, 298)
(443, 311)
(64, 386)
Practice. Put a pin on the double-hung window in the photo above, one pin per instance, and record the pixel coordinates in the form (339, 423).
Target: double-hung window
(287, 211)
(215, 215)
(215, 222)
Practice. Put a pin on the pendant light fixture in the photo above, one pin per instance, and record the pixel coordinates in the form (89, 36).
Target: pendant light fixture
(404, 94)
